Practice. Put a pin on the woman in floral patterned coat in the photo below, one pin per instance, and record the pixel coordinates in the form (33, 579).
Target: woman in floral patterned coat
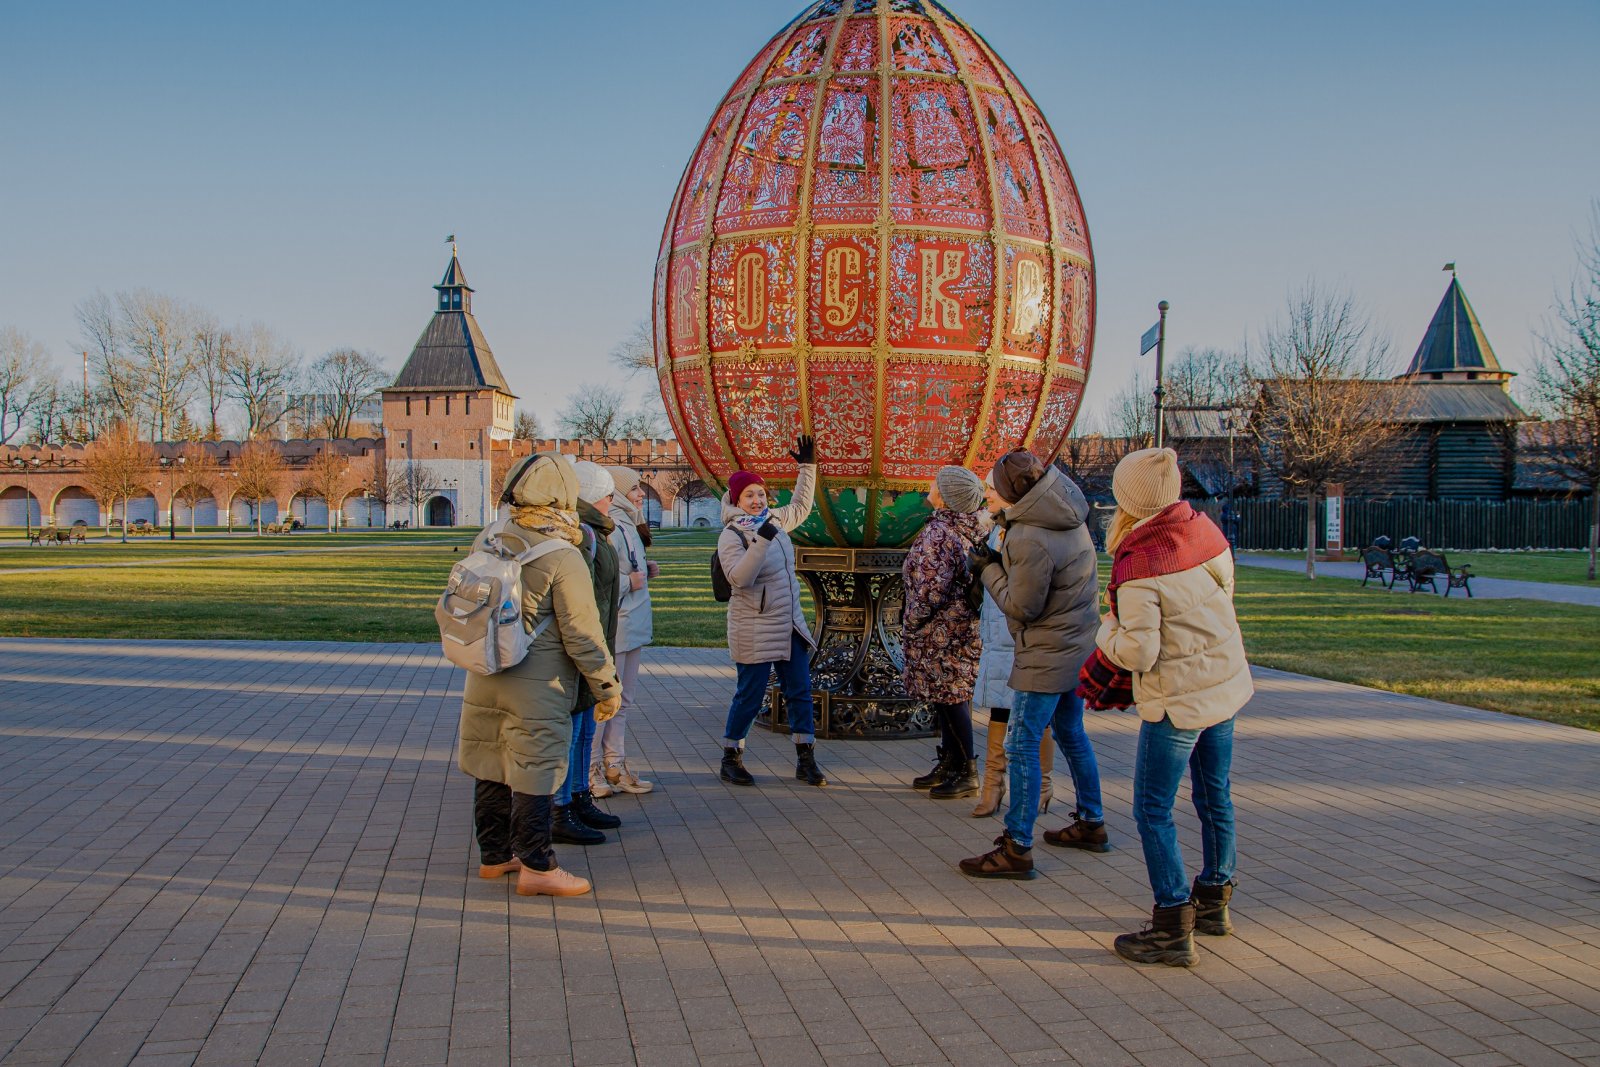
(940, 635)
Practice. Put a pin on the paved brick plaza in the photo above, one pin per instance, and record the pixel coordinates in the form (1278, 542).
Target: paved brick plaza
(229, 853)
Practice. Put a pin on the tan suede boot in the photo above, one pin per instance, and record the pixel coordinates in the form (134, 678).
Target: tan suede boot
(994, 772)
(1047, 763)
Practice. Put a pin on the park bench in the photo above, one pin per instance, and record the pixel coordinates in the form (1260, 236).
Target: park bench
(280, 527)
(143, 528)
(44, 535)
(1379, 563)
(1428, 567)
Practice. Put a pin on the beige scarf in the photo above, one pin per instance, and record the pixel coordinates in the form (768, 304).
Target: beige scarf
(552, 522)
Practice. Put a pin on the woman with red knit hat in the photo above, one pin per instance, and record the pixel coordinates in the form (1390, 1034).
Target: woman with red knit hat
(766, 625)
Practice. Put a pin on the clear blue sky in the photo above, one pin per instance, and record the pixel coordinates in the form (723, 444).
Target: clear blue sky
(301, 163)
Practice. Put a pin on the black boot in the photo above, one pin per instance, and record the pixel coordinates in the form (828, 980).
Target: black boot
(733, 771)
(805, 766)
(1168, 939)
(591, 814)
(942, 763)
(961, 781)
(1211, 908)
(567, 830)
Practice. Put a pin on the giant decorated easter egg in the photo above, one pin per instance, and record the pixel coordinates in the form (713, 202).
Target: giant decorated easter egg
(877, 241)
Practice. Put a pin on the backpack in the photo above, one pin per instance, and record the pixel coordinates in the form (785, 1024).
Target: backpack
(480, 611)
(721, 588)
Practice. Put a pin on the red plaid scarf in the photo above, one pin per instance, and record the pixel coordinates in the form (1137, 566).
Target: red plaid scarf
(1175, 540)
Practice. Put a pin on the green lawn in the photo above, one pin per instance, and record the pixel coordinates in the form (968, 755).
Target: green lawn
(1525, 657)
(1566, 568)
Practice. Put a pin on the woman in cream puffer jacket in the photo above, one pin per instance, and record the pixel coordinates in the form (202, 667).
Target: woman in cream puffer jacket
(1173, 627)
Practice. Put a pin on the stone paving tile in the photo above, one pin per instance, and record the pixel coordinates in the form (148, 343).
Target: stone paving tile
(261, 853)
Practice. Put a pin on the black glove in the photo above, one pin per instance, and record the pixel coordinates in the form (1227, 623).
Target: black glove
(805, 449)
(768, 531)
(979, 557)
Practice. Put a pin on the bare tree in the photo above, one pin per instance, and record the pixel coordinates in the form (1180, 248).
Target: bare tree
(1568, 380)
(1130, 416)
(1322, 416)
(22, 359)
(343, 380)
(377, 489)
(328, 476)
(594, 412)
(116, 467)
(1207, 378)
(158, 334)
(213, 351)
(197, 478)
(51, 407)
(526, 427)
(121, 386)
(411, 486)
(261, 375)
(636, 351)
(259, 471)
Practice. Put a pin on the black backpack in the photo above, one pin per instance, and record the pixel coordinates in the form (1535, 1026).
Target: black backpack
(721, 588)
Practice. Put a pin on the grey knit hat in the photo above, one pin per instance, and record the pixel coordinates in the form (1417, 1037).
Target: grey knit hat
(961, 489)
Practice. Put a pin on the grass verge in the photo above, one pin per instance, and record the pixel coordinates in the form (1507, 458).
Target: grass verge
(1520, 656)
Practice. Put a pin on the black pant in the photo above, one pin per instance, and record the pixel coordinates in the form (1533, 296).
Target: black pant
(955, 726)
(512, 824)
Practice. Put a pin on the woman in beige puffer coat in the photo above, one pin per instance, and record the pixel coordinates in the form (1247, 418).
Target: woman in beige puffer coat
(1173, 627)
(516, 726)
(766, 625)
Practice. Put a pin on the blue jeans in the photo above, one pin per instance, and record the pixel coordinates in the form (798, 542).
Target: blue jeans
(794, 678)
(1030, 714)
(1158, 768)
(577, 779)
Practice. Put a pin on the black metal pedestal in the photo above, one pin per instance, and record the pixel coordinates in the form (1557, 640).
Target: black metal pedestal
(855, 674)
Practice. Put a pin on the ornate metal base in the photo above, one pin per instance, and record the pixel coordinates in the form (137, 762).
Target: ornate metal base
(855, 674)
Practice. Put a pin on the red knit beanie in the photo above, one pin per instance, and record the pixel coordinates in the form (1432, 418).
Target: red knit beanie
(739, 482)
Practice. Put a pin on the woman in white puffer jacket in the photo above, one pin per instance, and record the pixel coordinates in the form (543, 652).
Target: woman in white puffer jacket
(609, 772)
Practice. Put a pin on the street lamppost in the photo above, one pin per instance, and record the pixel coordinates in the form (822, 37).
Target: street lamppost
(27, 466)
(172, 495)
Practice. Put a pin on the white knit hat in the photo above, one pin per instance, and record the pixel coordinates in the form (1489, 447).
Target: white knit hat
(594, 482)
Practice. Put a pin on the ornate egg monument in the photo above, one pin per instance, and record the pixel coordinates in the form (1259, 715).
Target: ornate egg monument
(877, 241)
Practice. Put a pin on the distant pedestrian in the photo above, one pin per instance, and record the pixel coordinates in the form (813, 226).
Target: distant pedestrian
(1044, 580)
(1172, 628)
(516, 726)
(578, 819)
(939, 633)
(609, 771)
(766, 625)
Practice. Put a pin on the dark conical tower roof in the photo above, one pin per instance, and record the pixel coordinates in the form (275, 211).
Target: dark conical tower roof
(452, 352)
(1455, 346)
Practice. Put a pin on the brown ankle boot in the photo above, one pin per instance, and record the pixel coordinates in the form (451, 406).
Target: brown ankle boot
(994, 773)
(1090, 836)
(1047, 763)
(1007, 860)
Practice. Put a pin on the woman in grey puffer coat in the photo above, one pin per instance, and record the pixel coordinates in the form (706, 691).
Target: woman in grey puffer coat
(766, 626)
(1045, 580)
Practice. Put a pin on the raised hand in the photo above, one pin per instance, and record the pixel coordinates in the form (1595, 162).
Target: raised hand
(805, 449)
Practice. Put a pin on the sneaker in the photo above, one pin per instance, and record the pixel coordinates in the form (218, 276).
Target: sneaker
(552, 883)
(620, 778)
(599, 783)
